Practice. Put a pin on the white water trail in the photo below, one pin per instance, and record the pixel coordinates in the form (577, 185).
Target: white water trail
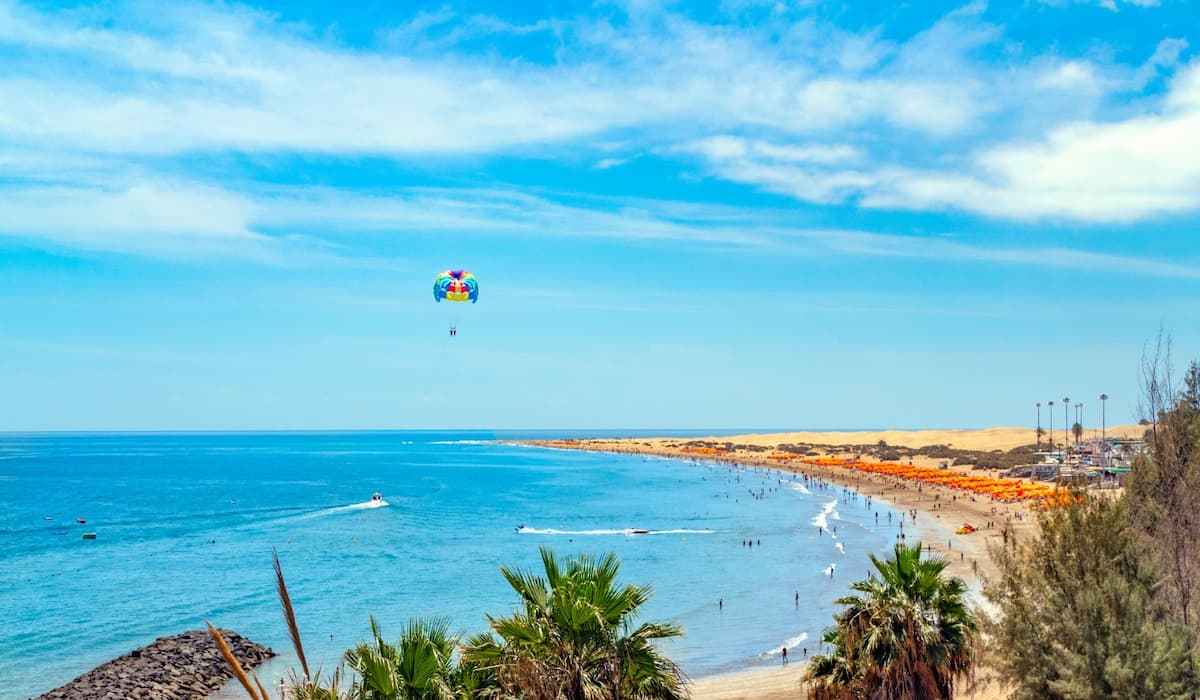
(625, 531)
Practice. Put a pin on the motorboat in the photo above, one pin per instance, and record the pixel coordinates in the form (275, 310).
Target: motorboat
(47, 517)
(80, 520)
(375, 502)
(89, 535)
(640, 532)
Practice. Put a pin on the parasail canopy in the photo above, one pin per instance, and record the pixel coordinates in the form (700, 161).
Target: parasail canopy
(456, 285)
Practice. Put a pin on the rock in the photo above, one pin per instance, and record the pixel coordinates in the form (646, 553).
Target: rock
(186, 666)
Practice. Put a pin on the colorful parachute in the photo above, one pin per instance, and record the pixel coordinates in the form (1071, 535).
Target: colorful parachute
(456, 285)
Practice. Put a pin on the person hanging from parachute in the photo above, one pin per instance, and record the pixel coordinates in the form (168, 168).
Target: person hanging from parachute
(455, 286)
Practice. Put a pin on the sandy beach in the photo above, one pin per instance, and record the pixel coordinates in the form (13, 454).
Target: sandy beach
(935, 508)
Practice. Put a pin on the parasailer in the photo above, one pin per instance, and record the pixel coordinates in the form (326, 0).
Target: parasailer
(455, 286)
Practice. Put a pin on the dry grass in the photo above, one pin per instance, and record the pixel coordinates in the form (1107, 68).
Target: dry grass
(289, 615)
(235, 665)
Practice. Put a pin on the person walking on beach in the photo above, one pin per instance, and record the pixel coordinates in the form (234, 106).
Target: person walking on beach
(785, 656)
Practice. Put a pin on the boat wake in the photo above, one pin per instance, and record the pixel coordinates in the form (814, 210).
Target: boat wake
(351, 508)
(626, 531)
(374, 503)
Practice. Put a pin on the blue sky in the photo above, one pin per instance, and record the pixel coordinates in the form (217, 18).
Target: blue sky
(688, 215)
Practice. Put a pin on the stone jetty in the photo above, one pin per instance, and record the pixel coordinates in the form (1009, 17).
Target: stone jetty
(187, 666)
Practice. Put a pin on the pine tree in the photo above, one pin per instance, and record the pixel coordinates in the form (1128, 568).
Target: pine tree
(1191, 387)
(1079, 615)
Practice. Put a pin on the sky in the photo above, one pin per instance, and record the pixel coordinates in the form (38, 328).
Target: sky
(723, 214)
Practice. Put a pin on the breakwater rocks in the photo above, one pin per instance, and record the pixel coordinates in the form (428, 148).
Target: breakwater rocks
(184, 667)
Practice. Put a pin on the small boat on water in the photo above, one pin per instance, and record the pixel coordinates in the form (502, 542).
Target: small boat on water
(89, 535)
(80, 520)
(47, 517)
(375, 502)
(640, 532)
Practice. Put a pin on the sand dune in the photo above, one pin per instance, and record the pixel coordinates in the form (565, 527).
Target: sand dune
(985, 439)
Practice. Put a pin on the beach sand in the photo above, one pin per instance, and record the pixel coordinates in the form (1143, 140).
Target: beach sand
(785, 683)
(938, 510)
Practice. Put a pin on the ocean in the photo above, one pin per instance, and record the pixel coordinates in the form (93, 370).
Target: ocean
(185, 525)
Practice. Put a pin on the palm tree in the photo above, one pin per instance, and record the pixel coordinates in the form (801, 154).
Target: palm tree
(574, 639)
(906, 634)
(1066, 407)
(421, 666)
(1039, 427)
(1051, 404)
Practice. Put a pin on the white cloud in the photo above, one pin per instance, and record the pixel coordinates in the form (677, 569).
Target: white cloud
(234, 79)
(1119, 171)
(160, 218)
(1106, 4)
(293, 225)
(725, 148)
(1099, 172)
(798, 108)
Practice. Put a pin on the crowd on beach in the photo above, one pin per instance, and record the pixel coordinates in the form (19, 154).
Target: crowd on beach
(946, 502)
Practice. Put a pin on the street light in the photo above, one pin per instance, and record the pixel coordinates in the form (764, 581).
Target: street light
(1079, 421)
(1051, 404)
(1103, 427)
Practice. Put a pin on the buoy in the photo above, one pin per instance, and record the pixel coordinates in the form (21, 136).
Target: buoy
(89, 535)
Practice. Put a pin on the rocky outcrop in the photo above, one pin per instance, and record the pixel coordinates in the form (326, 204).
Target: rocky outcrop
(184, 667)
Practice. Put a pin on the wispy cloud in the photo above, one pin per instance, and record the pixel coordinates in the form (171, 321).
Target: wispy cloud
(231, 78)
(1113, 5)
(98, 103)
(1115, 171)
(316, 225)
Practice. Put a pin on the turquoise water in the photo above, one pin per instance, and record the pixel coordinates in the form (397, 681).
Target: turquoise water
(185, 526)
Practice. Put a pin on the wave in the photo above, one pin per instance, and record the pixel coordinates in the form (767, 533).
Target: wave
(460, 442)
(625, 531)
(789, 644)
(821, 520)
(799, 488)
(841, 548)
(829, 569)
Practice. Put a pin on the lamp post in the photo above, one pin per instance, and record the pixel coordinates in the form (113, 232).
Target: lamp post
(1103, 428)
(1051, 404)
(1079, 421)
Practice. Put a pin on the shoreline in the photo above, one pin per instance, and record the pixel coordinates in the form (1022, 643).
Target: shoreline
(931, 508)
(936, 508)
